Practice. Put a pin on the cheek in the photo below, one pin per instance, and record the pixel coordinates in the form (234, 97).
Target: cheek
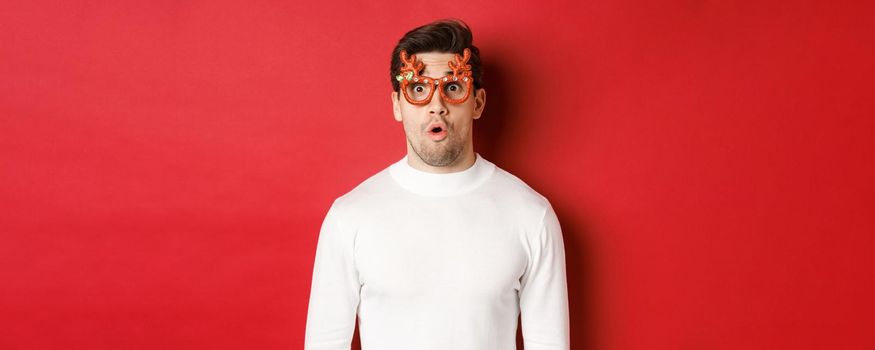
(463, 127)
(462, 114)
(408, 111)
(465, 108)
(410, 127)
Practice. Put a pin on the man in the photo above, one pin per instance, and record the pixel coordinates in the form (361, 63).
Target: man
(442, 249)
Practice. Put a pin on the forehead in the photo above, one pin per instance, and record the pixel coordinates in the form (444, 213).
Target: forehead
(435, 63)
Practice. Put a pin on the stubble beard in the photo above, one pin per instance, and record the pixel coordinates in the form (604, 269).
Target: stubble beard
(438, 154)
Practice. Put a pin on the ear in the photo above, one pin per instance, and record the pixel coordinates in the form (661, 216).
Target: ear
(479, 102)
(396, 106)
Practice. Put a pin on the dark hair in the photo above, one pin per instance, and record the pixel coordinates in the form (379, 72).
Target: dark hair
(446, 35)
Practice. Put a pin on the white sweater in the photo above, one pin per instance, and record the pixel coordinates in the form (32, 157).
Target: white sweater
(439, 261)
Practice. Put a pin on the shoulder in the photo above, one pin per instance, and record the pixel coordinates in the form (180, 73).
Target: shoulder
(517, 190)
(367, 192)
(518, 197)
(346, 210)
(531, 210)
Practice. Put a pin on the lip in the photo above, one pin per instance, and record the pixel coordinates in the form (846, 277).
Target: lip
(437, 136)
(437, 124)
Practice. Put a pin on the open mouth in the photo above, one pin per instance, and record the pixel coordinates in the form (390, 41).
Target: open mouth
(437, 131)
(437, 127)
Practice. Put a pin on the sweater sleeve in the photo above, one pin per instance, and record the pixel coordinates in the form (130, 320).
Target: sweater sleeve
(334, 291)
(543, 289)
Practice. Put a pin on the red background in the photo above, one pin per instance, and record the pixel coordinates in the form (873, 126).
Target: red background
(166, 164)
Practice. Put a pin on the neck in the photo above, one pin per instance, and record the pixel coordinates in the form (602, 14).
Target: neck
(465, 161)
(441, 184)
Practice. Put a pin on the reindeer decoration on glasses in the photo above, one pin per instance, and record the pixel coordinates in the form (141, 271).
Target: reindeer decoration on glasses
(418, 89)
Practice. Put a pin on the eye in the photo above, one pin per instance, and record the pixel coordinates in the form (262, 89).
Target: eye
(454, 88)
(419, 89)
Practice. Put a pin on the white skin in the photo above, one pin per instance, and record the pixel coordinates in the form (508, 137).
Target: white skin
(455, 152)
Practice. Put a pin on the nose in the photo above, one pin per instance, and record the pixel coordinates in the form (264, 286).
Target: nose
(436, 106)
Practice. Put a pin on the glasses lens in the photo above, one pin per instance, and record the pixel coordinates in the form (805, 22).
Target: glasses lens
(418, 91)
(455, 89)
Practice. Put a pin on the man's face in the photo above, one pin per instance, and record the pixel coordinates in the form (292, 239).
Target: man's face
(444, 147)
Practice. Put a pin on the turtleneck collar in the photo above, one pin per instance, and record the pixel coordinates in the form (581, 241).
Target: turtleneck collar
(441, 184)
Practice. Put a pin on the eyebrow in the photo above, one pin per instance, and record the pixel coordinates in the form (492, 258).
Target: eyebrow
(445, 73)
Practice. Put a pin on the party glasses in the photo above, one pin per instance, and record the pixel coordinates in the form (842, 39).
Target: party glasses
(453, 88)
